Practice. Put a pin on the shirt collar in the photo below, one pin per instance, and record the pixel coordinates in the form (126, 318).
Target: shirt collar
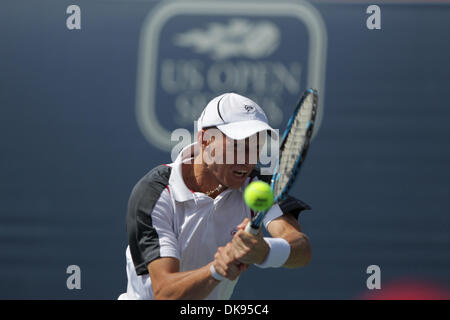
(180, 191)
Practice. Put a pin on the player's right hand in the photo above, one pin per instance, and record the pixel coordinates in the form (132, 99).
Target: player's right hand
(225, 263)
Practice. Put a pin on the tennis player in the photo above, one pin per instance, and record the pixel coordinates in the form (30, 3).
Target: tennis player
(186, 220)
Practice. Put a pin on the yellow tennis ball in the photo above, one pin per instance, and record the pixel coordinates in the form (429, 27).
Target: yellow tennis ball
(258, 196)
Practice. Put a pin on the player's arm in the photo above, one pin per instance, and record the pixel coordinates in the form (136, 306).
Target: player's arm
(288, 243)
(169, 283)
(254, 249)
(288, 228)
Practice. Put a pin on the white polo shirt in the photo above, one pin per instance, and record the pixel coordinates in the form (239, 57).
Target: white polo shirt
(166, 219)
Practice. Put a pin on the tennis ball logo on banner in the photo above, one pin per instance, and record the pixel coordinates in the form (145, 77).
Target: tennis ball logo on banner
(193, 51)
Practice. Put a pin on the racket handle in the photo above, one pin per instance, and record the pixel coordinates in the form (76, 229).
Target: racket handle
(250, 229)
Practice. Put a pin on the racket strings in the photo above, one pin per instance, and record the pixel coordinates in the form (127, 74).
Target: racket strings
(294, 144)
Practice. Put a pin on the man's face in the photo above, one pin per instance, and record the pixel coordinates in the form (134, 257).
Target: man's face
(231, 161)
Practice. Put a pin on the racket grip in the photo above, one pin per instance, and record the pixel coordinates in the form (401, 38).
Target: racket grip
(250, 229)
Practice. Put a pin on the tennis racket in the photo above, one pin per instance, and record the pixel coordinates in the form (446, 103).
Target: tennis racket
(293, 149)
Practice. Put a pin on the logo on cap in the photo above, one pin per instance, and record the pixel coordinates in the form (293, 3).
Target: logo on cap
(249, 108)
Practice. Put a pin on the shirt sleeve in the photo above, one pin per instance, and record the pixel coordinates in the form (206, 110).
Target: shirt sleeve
(163, 222)
(293, 206)
(273, 213)
(150, 221)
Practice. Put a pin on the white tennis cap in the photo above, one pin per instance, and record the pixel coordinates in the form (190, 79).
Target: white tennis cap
(236, 116)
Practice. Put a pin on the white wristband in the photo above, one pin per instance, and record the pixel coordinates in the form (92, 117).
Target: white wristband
(216, 275)
(278, 253)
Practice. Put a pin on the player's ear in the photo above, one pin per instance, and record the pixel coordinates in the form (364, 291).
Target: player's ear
(200, 137)
(207, 136)
(203, 138)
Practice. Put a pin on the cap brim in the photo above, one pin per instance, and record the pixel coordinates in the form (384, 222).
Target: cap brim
(244, 129)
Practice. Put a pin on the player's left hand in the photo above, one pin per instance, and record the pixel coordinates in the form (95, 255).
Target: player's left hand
(249, 248)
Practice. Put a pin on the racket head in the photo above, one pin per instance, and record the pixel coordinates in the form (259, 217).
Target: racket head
(295, 143)
(293, 149)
